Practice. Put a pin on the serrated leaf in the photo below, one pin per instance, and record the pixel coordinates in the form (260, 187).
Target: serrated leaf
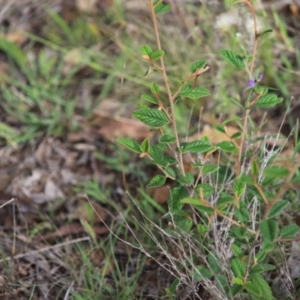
(156, 153)
(227, 147)
(238, 267)
(278, 172)
(167, 139)
(253, 289)
(263, 285)
(289, 231)
(156, 181)
(233, 58)
(163, 146)
(260, 268)
(146, 50)
(200, 273)
(193, 93)
(268, 101)
(198, 65)
(130, 144)
(154, 88)
(188, 179)
(269, 230)
(205, 189)
(169, 159)
(207, 169)
(239, 187)
(151, 117)
(260, 256)
(170, 172)
(235, 289)
(177, 193)
(236, 250)
(277, 208)
(157, 54)
(161, 8)
(200, 146)
(242, 213)
(149, 98)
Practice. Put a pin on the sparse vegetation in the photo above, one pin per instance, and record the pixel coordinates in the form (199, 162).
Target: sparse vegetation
(205, 207)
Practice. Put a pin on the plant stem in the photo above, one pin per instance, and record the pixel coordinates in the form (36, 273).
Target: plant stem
(167, 85)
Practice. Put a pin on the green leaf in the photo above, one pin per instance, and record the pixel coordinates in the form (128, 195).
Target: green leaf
(254, 167)
(253, 289)
(198, 65)
(220, 128)
(13, 51)
(161, 8)
(156, 181)
(177, 193)
(268, 246)
(206, 189)
(149, 98)
(236, 135)
(200, 146)
(170, 172)
(130, 144)
(157, 54)
(277, 208)
(238, 267)
(260, 268)
(238, 280)
(222, 283)
(237, 250)
(227, 147)
(200, 273)
(239, 232)
(204, 209)
(260, 256)
(183, 222)
(207, 169)
(146, 50)
(264, 33)
(239, 187)
(151, 117)
(154, 88)
(167, 139)
(242, 213)
(156, 153)
(191, 201)
(145, 146)
(269, 230)
(213, 263)
(263, 285)
(289, 231)
(233, 58)
(225, 198)
(268, 101)
(236, 288)
(193, 93)
(278, 172)
(188, 179)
